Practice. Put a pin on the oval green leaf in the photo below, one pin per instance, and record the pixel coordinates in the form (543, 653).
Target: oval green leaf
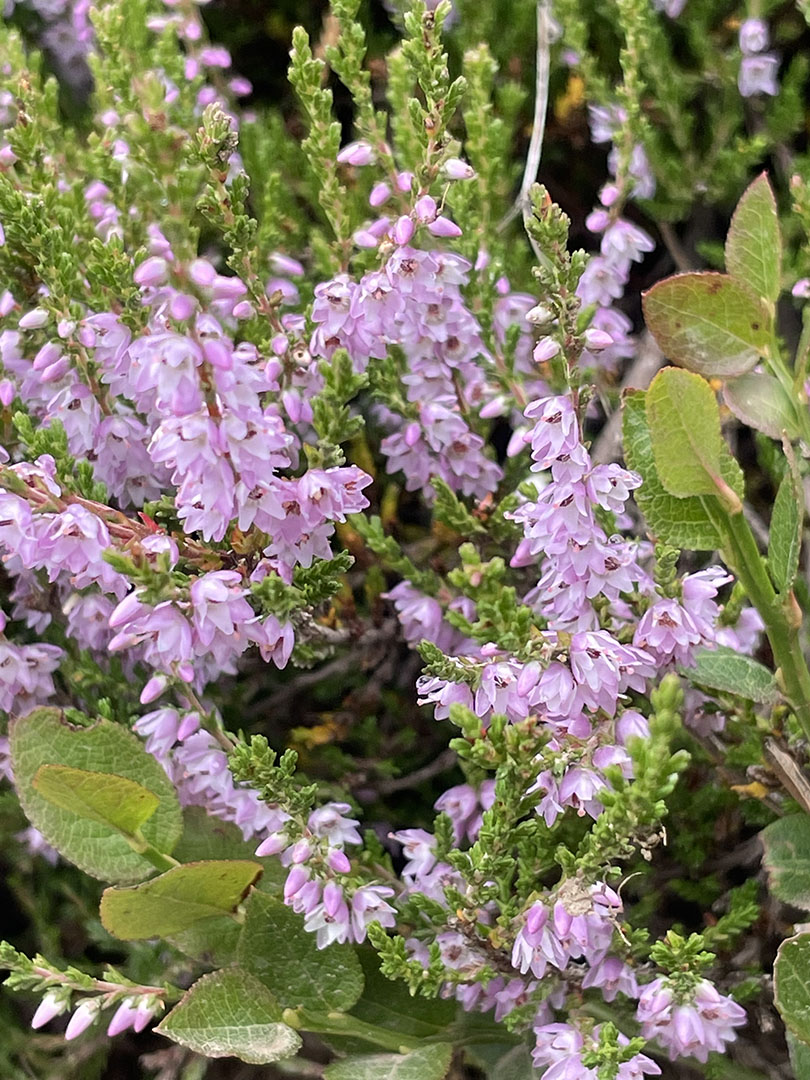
(426, 1063)
(731, 672)
(112, 800)
(754, 242)
(230, 1014)
(275, 947)
(791, 975)
(177, 899)
(760, 401)
(709, 323)
(684, 422)
(683, 523)
(44, 737)
(787, 526)
(786, 844)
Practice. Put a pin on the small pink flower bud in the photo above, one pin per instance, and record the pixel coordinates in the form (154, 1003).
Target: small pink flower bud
(218, 354)
(82, 1018)
(53, 1004)
(608, 195)
(147, 1008)
(456, 169)
(597, 221)
(443, 226)
(483, 260)
(152, 271)
(243, 310)
(274, 844)
(357, 153)
(404, 181)
(545, 349)
(185, 671)
(153, 689)
(34, 319)
(7, 392)
(403, 230)
(801, 289)
(365, 238)
(296, 879)
(188, 725)
(284, 264)
(380, 193)
(202, 273)
(7, 303)
(181, 306)
(332, 898)
(495, 407)
(596, 340)
(425, 209)
(55, 370)
(7, 156)
(339, 861)
(123, 1018)
(279, 344)
(301, 851)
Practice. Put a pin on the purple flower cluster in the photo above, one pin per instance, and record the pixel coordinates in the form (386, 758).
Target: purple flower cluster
(695, 1025)
(622, 243)
(758, 69)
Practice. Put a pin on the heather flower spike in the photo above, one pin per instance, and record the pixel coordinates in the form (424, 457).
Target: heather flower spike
(383, 597)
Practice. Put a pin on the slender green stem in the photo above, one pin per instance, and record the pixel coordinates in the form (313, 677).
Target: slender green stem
(338, 1023)
(744, 558)
(139, 843)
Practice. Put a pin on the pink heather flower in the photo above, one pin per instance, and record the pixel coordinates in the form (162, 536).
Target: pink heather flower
(758, 75)
(612, 977)
(460, 803)
(53, 1004)
(694, 1028)
(369, 904)
(444, 227)
(555, 431)
(668, 633)
(418, 847)
(357, 153)
(328, 822)
(456, 169)
(754, 37)
(83, 1017)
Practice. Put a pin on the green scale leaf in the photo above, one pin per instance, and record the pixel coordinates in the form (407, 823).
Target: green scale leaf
(44, 737)
(709, 323)
(754, 243)
(426, 1063)
(177, 899)
(230, 1014)
(275, 947)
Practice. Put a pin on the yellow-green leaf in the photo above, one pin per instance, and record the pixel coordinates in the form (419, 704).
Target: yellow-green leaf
(177, 899)
(754, 243)
(684, 422)
(112, 800)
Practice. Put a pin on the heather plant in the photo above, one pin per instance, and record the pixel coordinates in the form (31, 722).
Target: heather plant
(337, 418)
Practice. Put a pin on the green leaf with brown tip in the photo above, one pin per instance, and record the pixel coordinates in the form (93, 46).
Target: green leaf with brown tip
(178, 899)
